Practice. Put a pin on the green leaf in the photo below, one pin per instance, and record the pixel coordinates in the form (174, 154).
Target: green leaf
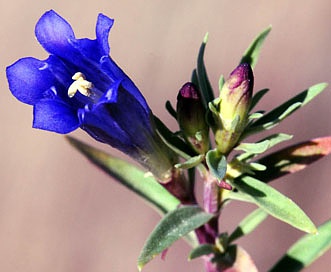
(130, 176)
(172, 227)
(248, 224)
(173, 141)
(255, 115)
(204, 84)
(254, 148)
(257, 166)
(272, 140)
(294, 158)
(251, 54)
(274, 203)
(257, 97)
(194, 77)
(275, 116)
(306, 250)
(191, 162)
(204, 249)
(217, 164)
(278, 138)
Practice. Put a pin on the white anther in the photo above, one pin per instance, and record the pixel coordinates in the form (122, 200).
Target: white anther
(80, 84)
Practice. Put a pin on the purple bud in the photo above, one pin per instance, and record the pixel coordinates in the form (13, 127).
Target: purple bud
(191, 118)
(236, 93)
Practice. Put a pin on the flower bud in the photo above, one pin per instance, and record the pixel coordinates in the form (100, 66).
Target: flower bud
(191, 118)
(234, 102)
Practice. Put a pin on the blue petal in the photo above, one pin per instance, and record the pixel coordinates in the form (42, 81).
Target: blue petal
(96, 49)
(88, 49)
(110, 96)
(55, 115)
(28, 79)
(103, 128)
(116, 73)
(54, 33)
(102, 30)
(127, 117)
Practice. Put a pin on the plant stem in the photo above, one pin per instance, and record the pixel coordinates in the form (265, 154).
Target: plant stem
(211, 204)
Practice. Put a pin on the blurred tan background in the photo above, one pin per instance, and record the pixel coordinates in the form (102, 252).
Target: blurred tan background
(59, 213)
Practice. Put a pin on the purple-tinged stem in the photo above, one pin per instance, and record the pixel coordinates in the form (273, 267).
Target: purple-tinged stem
(211, 204)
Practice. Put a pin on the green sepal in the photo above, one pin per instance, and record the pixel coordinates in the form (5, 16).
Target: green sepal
(129, 176)
(293, 158)
(278, 114)
(248, 224)
(216, 163)
(214, 107)
(201, 250)
(257, 97)
(171, 109)
(204, 84)
(251, 54)
(221, 82)
(191, 162)
(306, 250)
(172, 227)
(274, 203)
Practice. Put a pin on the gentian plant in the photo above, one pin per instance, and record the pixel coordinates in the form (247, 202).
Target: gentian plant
(80, 86)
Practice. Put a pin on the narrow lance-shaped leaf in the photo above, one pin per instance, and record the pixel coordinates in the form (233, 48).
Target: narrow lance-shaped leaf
(306, 250)
(254, 148)
(194, 77)
(174, 142)
(172, 227)
(204, 84)
(294, 158)
(275, 116)
(257, 97)
(171, 109)
(272, 140)
(130, 176)
(274, 203)
(190, 163)
(251, 54)
(248, 224)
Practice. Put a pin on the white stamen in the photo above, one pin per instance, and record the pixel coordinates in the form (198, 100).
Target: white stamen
(80, 84)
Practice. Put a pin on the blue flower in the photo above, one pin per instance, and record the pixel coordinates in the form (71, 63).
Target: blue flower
(79, 85)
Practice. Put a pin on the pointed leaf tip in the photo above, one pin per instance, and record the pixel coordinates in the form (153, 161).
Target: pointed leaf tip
(205, 38)
(275, 203)
(251, 54)
(275, 116)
